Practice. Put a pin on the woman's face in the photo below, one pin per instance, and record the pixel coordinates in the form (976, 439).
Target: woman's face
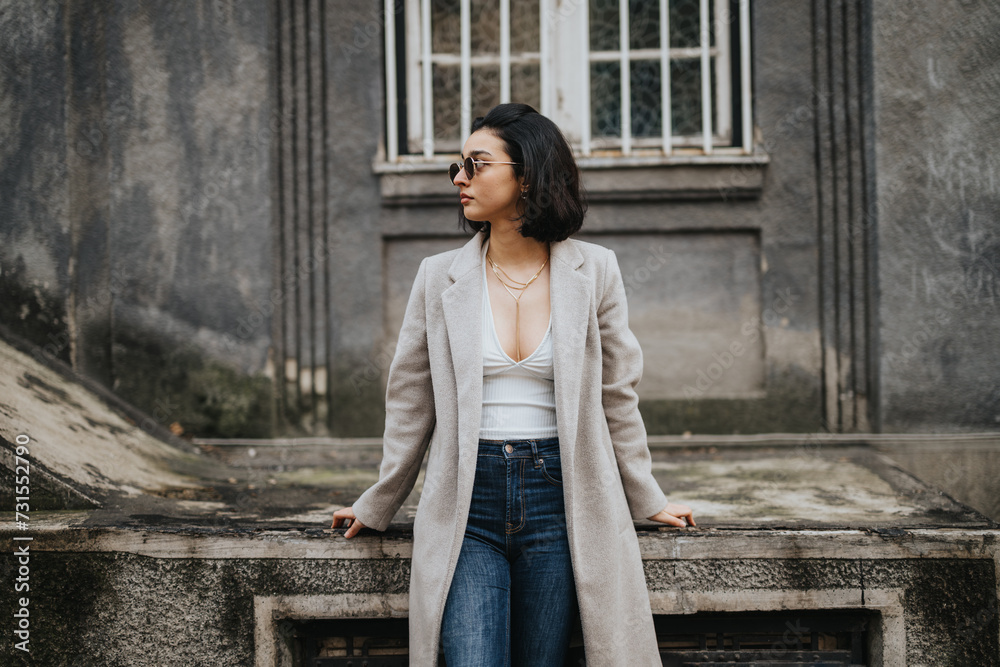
(493, 193)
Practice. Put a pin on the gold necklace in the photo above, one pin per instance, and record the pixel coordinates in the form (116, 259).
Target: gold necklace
(516, 282)
(517, 299)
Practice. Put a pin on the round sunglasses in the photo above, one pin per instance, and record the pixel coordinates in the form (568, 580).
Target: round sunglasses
(470, 167)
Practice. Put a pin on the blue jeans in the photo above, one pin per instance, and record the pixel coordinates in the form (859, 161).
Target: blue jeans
(512, 601)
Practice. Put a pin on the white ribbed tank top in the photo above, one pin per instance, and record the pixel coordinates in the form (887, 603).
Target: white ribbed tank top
(519, 399)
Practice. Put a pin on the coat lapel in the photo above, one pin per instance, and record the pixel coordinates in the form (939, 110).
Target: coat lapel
(462, 303)
(570, 297)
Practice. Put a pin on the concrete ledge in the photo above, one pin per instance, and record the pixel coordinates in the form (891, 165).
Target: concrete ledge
(650, 178)
(279, 578)
(58, 532)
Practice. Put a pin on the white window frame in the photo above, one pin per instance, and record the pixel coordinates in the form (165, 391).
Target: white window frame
(565, 59)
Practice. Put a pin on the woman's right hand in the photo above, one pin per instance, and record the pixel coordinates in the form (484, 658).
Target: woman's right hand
(675, 515)
(342, 516)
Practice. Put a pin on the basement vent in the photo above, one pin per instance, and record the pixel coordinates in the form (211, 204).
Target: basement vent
(772, 639)
(356, 642)
(778, 639)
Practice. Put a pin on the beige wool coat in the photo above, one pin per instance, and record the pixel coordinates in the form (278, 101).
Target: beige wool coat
(434, 398)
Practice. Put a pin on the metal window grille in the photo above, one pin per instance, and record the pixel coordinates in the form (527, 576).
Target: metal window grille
(654, 74)
(463, 56)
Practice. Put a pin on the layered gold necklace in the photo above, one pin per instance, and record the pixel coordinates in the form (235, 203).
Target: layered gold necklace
(520, 287)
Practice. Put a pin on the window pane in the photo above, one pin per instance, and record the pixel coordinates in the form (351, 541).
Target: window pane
(715, 98)
(645, 82)
(485, 89)
(447, 108)
(525, 85)
(644, 70)
(711, 23)
(605, 99)
(484, 16)
(685, 96)
(644, 24)
(524, 26)
(604, 25)
(684, 23)
(445, 27)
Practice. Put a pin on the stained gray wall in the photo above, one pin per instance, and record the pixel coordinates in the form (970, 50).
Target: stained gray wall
(148, 147)
(937, 74)
(201, 611)
(34, 201)
(136, 220)
(328, 64)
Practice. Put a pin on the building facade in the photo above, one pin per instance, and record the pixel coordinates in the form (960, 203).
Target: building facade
(216, 209)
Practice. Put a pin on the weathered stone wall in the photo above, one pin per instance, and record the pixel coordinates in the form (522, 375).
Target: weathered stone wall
(330, 64)
(189, 206)
(118, 609)
(136, 221)
(937, 75)
(34, 202)
(140, 150)
(128, 610)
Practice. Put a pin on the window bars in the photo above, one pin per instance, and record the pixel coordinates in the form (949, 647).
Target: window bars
(656, 74)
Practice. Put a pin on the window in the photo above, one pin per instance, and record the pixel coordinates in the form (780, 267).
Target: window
(686, 86)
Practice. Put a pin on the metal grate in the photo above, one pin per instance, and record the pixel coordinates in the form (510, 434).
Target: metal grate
(763, 639)
(759, 639)
(352, 643)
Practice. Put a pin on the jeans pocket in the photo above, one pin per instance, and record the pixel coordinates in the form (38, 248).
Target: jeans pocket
(551, 469)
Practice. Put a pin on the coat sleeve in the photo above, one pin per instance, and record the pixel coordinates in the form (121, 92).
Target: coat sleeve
(410, 415)
(621, 372)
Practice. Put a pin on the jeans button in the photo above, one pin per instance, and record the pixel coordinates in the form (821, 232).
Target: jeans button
(509, 448)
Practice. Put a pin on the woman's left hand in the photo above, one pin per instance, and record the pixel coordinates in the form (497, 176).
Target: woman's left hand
(675, 515)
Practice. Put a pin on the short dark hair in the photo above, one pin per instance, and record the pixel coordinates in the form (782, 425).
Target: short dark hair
(553, 206)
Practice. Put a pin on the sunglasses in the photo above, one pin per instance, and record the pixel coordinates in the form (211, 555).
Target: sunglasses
(470, 167)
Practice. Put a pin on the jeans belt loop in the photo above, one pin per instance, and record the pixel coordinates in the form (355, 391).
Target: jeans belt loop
(534, 453)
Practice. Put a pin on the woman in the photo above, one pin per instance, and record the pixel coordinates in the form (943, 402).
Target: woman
(516, 365)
